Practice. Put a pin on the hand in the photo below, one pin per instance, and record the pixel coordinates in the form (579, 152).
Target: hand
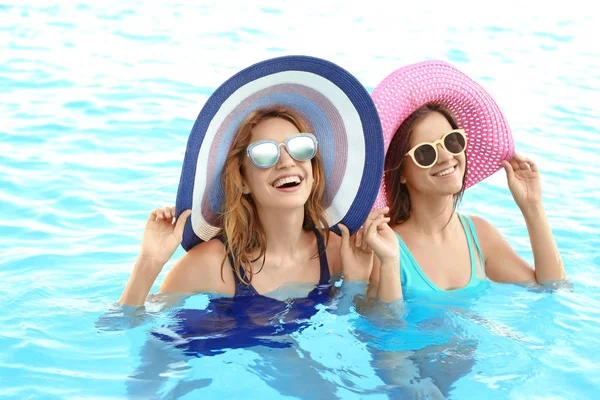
(357, 256)
(524, 181)
(380, 237)
(162, 235)
(356, 261)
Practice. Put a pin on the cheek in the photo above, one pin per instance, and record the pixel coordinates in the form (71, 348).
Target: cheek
(309, 172)
(253, 176)
(463, 160)
(411, 172)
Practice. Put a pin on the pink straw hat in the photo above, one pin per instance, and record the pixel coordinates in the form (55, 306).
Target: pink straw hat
(437, 82)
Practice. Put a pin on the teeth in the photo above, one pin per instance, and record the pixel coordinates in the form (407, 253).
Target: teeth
(288, 179)
(445, 172)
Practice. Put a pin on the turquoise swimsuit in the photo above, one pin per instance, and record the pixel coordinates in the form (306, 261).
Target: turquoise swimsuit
(414, 279)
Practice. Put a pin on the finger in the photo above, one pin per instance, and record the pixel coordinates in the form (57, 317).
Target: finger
(345, 236)
(165, 216)
(163, 213)
(358, 238)
(383, 224)
(171, 212)
(369, 231)
(514, 163)
(152, 215)
(180, 223)
(363, 245)
(524, 165)
(518, 157)
(510, 173)
(533, 166)
(374, 228)
(376, 214)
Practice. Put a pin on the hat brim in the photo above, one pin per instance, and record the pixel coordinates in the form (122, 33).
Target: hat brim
(437, 82)
(332, 102)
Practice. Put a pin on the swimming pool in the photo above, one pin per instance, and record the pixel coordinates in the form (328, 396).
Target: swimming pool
(97, 104)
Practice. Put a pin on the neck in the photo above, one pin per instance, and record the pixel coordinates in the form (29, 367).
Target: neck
(429, 214)
(283, 231)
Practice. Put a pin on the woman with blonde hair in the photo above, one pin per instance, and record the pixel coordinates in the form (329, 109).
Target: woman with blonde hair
(281, 153)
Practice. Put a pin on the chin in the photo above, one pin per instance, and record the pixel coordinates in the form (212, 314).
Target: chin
(297, 200)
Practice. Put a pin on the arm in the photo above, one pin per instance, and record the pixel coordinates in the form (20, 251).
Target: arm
(389, 288)
(162, 236)
(140, 282)
(502, 262)
(548, 262)
(385, 275)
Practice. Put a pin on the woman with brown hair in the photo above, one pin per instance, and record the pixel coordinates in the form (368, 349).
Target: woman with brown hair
(445, 133)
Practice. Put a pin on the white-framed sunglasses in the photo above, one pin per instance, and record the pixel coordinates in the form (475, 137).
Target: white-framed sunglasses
(266, 153)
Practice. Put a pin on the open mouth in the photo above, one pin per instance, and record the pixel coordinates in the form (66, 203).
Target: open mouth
(445, 172)
(288, 182)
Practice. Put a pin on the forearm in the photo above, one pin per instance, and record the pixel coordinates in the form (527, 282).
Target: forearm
(389, 288)
(140, 282)
(548, 262)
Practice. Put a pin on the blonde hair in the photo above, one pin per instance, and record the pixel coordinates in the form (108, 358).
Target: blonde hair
(242, 231)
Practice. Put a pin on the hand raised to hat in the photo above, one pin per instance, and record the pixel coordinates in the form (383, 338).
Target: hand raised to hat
(380, 237)
(357, 261)
(374, 237)
(162, 234)
(524, 182)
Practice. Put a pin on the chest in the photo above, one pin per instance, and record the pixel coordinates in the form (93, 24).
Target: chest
(446, 264)
(273, 276)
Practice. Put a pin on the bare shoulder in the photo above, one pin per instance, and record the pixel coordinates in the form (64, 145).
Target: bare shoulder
(199, 270)
(485, 230)
(502, 263)
(480, 222)
(333, 253)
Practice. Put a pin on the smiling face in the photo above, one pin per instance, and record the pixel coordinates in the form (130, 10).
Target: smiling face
(403, 178)
(289, 182)
(445, 177)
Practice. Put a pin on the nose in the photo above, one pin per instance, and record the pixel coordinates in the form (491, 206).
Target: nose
(443, 154)
(285, 160)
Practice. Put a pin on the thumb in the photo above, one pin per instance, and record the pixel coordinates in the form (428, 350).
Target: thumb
(345, 235)
(180, 223)
(510, 172)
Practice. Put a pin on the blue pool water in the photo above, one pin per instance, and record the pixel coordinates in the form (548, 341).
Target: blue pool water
(96, 105)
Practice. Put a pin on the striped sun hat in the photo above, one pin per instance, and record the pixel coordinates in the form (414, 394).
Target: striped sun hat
(333, 104)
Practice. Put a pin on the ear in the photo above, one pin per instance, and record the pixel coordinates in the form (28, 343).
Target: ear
(245, 188)
(403, 180)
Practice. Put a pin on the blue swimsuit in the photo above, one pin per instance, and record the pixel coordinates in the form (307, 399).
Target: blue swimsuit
(413, 277)
(242, 289)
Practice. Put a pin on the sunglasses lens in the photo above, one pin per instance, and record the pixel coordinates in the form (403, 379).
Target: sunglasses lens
(301, 148)
(425, 155)
(454, 143)
(264, 155)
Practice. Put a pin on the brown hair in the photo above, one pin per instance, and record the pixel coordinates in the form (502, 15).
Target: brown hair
(242, 231)
(398, 198)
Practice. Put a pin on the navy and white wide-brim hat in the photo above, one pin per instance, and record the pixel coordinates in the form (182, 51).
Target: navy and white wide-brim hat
(336, 108)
